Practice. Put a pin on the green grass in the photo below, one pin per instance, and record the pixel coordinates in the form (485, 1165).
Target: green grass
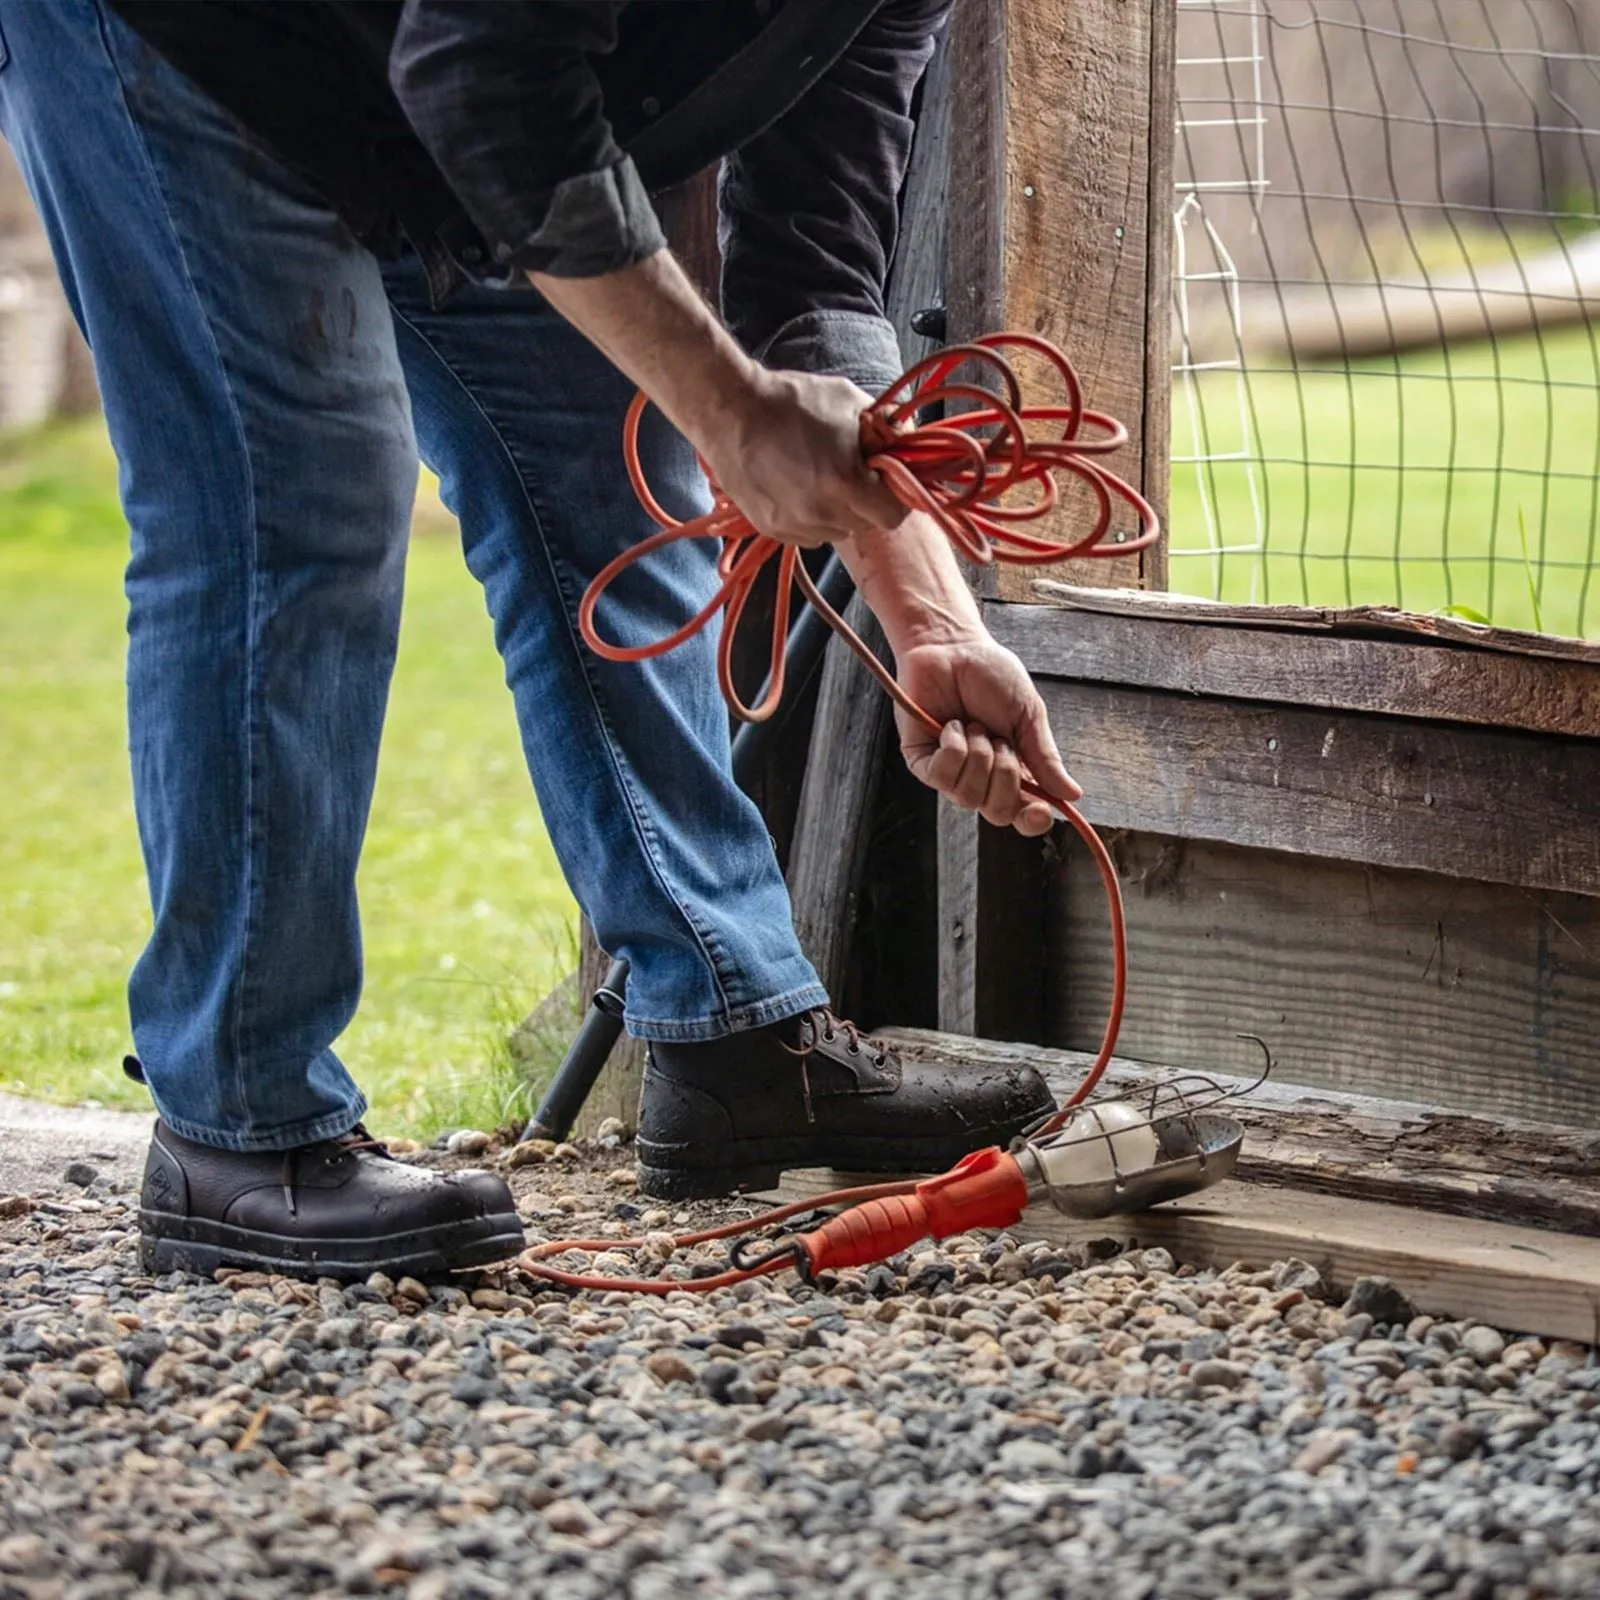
(468, 922)
(1331, 536)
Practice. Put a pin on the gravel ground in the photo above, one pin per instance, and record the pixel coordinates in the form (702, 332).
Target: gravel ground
(33, 1133)
(981, 1420)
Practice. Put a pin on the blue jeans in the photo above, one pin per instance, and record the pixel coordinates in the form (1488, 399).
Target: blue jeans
(268, 385)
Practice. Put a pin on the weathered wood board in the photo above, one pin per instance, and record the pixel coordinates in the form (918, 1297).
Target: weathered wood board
(1062, 156)
(1372, 621)
(1399, 1152)
(992, 932)
(1504, 806)
(1475, 996)
(1306, 668)
(1523, 1279)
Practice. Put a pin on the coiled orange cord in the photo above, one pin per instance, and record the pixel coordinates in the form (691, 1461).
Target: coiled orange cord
(961, 471)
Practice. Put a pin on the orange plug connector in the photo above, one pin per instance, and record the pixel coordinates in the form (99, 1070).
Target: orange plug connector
(984, 1190)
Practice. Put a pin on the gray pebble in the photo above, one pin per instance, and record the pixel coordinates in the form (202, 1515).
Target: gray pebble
(1300, 1275)
(1484, 1345)
(1379, 1299)
(1032, 1458)
(1218, 1374)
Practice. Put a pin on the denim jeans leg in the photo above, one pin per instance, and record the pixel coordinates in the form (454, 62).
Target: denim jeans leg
(522, 419)
(246, 357)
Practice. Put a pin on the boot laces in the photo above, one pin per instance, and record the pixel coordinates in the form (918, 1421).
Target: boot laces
(351, 1143)
(824, 1027)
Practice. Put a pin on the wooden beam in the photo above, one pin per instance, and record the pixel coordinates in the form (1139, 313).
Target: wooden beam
(1523, 1279)
(1386, 622)
(958, 920)
(1156, 427)
(1061, 153)
(992, 946)
(1367, 981)
(1493, 1168)
(850, 735)
(1426, 680)
(1060, 144)
(1504, 807)
(848, 739)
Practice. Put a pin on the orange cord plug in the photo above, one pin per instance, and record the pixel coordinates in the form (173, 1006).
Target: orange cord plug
(983, 1190)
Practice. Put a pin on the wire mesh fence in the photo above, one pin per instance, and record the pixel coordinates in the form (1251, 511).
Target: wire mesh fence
(1386, 371)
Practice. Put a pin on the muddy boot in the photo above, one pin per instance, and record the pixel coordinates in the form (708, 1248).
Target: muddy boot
(735, 1113)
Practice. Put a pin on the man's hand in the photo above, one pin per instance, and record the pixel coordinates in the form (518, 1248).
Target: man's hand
(784, 446)
(790, 459)
(994, 724)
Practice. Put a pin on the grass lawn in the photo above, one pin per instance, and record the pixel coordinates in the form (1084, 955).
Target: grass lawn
(468, 922)
(1532, 406)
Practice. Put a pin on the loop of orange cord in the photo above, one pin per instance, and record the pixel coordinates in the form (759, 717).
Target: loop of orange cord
(964, 471)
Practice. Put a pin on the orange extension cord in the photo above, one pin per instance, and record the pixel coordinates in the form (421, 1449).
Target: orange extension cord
(960, 470)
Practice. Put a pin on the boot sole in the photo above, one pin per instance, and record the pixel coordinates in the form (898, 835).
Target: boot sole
(665, 1173)
(170, 1243)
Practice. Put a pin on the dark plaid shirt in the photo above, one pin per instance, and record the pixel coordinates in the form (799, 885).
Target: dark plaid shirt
(501, 135)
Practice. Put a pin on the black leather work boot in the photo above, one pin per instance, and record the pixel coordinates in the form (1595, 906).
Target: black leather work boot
(734, 1113)
(343, 1208)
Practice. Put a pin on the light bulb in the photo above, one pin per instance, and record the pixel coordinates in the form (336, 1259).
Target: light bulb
(1082, 1152)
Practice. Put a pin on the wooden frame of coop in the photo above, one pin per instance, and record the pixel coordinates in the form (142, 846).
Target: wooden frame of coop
(1372, 841)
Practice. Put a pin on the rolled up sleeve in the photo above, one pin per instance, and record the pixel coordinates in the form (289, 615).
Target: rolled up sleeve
(506, 99)
(809, 210)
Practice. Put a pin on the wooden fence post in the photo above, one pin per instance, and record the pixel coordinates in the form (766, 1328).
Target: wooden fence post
(1061, 163)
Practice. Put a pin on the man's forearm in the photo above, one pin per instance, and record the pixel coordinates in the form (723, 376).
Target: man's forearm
(654, 327)
(911, 579)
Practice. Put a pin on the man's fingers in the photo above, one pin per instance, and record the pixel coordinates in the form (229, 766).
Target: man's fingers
(985, 775)
(959, 766)
(1004, 799)
(873, 501)
(1034, 820)
(971, 787)
(938, 763)
(1044, 759)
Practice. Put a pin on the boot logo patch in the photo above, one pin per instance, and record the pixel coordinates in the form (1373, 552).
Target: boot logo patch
(158, 1186)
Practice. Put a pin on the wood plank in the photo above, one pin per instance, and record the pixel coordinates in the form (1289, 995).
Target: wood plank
(616, 1090)
(1524, 1280)
(849, 740)
(1471, 995)
(1531, 1174)
(975, 275)
(1502, 806)
(1053, 116)
(917, 275)
(958, 919)
(976, 302)
(1156, 431)
(851, 732)
(991, 927)
(1375, 621)
(1424, 680)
